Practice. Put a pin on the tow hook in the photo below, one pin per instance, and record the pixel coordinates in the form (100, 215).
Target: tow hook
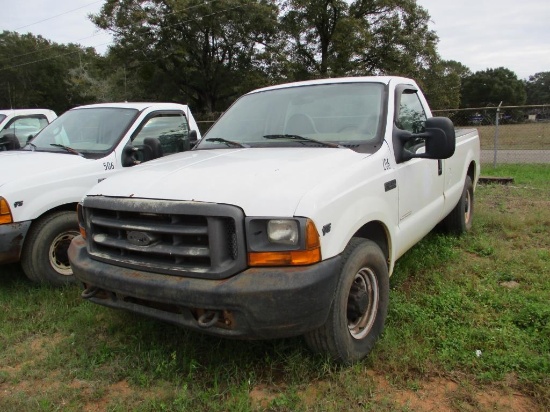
(90, 292)
(208, 318)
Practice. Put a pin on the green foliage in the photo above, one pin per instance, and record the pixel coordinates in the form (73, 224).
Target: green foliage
(492, 86)
(206, 52)
(538, 88)
(35, 72)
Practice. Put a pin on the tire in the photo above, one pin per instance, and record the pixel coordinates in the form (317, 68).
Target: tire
(356, 318)
(44, 257)
(460, 219)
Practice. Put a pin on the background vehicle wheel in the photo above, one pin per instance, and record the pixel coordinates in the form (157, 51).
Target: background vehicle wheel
(460, 219)
(44, 257)
(356, 318)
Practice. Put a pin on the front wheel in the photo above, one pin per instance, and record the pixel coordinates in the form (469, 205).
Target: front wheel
(45, 254)
(356, 318)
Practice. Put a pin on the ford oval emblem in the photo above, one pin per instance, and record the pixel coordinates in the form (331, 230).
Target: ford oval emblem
(139, 238)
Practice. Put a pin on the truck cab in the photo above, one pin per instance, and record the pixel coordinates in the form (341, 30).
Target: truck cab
(17, 126)
(42, 182)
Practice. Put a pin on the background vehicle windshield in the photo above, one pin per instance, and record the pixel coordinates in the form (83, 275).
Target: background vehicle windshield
(88, 131)
(344, 113)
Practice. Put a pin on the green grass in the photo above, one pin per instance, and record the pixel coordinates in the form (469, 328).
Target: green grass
(450, 297)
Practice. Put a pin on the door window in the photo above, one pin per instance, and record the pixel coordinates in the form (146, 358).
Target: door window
(172, 131)
(412, 118)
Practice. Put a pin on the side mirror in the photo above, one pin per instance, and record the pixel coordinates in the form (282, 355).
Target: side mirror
(193, 138)
(439, 140)
(129, 157)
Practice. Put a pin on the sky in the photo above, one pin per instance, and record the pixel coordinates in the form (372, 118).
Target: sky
(480, 34)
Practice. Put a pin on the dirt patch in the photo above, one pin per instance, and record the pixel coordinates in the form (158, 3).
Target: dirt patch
(446, 395)
(439, 394)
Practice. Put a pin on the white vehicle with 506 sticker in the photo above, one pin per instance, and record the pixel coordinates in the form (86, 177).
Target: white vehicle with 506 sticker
(42, 182)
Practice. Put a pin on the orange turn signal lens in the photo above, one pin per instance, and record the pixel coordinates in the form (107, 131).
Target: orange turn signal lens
(312, 253)
(80, 216)
(5, 212)
(288, 258)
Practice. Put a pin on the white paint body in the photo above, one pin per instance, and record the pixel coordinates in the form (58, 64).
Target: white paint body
(33, 183)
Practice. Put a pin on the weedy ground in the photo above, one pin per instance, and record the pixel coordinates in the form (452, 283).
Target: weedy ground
(468, 330)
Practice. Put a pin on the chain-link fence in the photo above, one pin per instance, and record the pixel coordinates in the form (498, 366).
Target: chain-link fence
(509, 134)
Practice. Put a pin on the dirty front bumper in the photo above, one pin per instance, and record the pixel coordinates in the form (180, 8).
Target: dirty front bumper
(12, 236)
(259, 303)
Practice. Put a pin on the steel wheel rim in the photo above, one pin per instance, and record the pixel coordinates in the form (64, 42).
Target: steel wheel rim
(365, 280)
(58, 253)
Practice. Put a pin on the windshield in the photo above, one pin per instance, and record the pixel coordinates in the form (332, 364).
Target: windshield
(2, 117)
(92, 132)
(347, 114)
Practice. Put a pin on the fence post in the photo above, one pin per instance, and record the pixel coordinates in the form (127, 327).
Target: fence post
(496, 137)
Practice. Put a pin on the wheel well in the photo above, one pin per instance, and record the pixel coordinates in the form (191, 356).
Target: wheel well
(472, 171)
(68, 207)
(377, 232)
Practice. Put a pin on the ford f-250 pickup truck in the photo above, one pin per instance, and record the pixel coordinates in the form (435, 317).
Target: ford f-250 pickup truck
(41, 183)
(287, 217)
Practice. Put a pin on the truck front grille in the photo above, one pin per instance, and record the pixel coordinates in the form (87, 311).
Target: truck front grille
(179, 238)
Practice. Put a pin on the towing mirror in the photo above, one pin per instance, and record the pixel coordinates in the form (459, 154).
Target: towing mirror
(438, 139)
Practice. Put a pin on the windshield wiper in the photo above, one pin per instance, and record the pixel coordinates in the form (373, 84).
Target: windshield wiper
(227, 142)
(67, 148)
(302, 139)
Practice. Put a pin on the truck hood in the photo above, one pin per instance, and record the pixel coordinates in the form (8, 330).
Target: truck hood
(27, 164)
(261, 181)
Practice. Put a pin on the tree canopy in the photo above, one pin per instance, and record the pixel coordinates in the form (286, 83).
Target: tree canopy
(492, 86)
(538, 88)
(35, 72)
(207, 53)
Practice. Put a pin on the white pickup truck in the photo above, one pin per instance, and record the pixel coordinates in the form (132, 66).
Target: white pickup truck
(287, 217)
(42, 183)
(17, 126)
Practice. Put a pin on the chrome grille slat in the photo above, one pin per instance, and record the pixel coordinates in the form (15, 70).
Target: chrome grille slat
(158, 227)
(184, 251)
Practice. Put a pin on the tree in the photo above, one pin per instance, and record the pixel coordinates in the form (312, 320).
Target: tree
(441, 82)
(538, 88)
(361, 37)
(35, 72)
(206, 52)
(492, 86)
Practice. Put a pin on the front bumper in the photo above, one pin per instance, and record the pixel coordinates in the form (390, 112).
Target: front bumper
(258, 303)
(12, 236)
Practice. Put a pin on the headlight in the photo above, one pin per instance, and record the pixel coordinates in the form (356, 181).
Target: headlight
(282, 242)
(284, 232)
(5, 212)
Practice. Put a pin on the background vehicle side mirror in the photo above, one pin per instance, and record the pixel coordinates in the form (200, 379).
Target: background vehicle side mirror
(193, 139)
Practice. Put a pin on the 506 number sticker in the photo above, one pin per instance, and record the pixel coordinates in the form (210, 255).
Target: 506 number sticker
(108, 165)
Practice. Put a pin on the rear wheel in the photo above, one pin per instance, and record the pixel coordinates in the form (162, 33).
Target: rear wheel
(45, 254)
(356, 318)
(460, 219)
